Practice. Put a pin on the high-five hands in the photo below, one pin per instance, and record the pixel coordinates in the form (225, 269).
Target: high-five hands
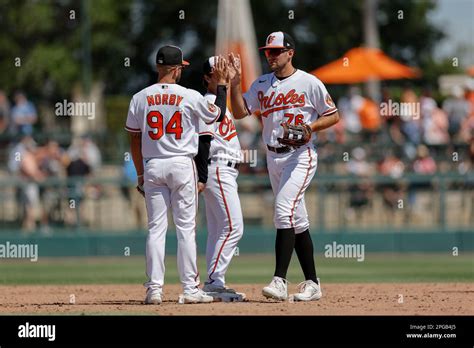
(235, 69)
(220, 70)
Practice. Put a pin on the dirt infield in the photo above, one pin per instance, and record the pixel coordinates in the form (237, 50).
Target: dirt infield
(338, 299)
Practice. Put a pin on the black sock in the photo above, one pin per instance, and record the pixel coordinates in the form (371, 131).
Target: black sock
(284, 245)
(304, 250)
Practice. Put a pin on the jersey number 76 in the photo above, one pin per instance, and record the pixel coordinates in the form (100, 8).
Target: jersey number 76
(154, 120)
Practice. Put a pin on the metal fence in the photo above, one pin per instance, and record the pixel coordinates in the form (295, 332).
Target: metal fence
(440, 202)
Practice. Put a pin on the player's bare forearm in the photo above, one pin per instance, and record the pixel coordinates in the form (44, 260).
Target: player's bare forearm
(239, 110)
(325, 122)
(136, 150)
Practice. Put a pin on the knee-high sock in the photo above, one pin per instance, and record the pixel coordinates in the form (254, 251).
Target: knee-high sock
(304, 251)
(284, 245)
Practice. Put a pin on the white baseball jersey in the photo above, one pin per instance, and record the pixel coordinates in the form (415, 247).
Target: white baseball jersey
(223, 213)
(225, 146)
(168, 116)
(299, 98)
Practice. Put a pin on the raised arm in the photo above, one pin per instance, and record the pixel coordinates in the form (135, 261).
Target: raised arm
(236, 98)
(220, 74)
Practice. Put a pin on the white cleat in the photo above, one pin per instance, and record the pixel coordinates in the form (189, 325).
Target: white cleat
(277, 289)
(153, 297)
(198, 296)
(308, 291)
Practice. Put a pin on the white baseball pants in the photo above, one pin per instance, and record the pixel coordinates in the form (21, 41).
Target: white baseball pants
(171, 183)
(290, 175)
(224, 220)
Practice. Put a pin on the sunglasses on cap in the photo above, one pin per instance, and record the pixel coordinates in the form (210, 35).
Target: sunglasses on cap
(275, 51)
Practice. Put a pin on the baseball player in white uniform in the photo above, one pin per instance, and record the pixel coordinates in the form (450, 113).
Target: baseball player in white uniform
(224, 214)
(292, 97)
(163, 122)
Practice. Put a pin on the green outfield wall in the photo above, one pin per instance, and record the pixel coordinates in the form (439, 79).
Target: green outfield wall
(255, 240)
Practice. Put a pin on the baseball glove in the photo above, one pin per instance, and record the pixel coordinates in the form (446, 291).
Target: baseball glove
(295, 136)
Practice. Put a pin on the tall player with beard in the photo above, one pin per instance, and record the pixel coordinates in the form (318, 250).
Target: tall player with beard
(292, 96)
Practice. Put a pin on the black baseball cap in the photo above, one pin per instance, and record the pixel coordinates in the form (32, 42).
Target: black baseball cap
(170, 55)
(279, 39)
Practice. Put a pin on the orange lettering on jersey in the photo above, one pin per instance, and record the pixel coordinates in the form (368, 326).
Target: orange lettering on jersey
(179, 100)
(150, 100)
(269, 104)
(172, 99)
(164, 99)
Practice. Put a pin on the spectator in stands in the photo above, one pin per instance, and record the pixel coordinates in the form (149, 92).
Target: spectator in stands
(392, 122)
(427, 106)
(467, 164)
(435, 128)
(457, 109)
(361, 191)
(467, 126)
(77, 169)
(90, 152)
(86, 148)
(424, 164)
(467, 129)
(370, 120)
(411, 123)
(23, 115)
(23, 163)
(469, 95)
(393, 167)
(52, 161)
(4, 112)
(347, 108)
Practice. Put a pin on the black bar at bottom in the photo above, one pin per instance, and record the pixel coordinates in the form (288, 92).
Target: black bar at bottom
(451, 331)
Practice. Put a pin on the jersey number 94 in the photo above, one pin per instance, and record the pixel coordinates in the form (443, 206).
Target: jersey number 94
(155, 122)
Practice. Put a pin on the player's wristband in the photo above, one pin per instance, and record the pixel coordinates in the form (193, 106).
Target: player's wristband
(221, 100)
(140, 176)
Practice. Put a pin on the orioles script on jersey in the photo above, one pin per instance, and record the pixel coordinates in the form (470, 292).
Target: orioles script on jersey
(271, 103)
(164, 99)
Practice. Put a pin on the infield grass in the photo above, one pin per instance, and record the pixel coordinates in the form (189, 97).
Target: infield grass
(244, 269)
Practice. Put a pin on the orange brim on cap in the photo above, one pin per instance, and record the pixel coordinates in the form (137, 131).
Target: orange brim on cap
(185, 62)
(270, 46)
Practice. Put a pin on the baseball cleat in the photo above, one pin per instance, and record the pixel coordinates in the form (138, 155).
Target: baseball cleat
(223, 294)
(208, 287)
(198, 296)
(308, 291)
(153, 298)
(277, 289)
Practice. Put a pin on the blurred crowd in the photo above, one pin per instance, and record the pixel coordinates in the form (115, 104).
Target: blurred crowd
(411, 133)
(36, 165)
(422, 141)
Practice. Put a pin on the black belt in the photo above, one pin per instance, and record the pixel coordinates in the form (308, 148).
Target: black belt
(283, 149)
(231, 164)
(234, 165)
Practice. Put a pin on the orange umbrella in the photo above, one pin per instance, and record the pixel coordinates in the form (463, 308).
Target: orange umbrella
(361, 64)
